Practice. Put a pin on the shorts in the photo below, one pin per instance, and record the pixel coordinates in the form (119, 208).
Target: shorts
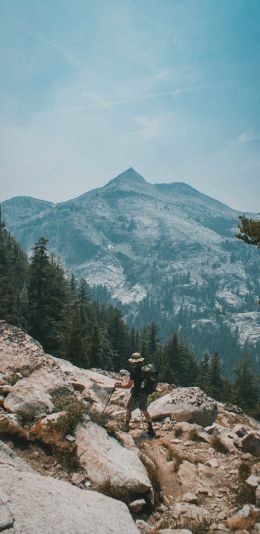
(138, 400)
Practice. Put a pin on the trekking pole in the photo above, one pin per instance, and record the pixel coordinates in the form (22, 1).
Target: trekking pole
(108, 401)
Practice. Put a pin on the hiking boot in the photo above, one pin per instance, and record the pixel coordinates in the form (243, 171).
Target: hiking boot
(125, 427)
(151, 431)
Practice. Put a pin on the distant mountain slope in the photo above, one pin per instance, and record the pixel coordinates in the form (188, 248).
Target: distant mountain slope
(166, 252)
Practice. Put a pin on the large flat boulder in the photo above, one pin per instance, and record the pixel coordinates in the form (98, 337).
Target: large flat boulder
(185, 404)
(36, 503)
(110, 467)
(18, 351)
(27, 396)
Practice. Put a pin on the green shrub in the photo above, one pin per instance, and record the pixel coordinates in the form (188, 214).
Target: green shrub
(74, 411)
(27, 414)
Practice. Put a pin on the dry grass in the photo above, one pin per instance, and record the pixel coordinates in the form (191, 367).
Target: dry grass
(152, 471)
(68, 459)
(194, 435)
(217, 444)
(243, 493)
(27, 414)
(244, 471)
(173, 455)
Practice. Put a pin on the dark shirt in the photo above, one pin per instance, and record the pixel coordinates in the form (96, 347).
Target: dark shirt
(136, 376)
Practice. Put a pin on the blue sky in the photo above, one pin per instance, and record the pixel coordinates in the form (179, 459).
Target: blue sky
(91, 87)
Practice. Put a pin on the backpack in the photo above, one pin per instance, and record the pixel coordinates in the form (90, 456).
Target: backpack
(149, 378)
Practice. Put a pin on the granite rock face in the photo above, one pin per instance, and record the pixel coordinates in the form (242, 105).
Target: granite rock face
(185, 404)
(108, 463)
(35, 503)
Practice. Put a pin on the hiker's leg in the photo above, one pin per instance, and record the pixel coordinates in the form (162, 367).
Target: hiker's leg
(149, 421)
(147, 417)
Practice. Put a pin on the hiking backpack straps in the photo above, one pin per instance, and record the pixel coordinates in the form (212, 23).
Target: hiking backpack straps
(149, 378)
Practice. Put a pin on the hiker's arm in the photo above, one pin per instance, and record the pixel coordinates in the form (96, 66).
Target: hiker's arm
(128, 384)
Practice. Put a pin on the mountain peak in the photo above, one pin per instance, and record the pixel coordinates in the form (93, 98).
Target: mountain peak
(128, 177)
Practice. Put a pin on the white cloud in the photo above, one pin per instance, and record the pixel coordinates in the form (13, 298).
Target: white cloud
(248, 137)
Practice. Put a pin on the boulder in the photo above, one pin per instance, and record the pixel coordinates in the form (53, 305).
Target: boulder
(251, 443)
(253, 481)
(185, 404)
(44, 504)
(29, 399)
(6, 518)
(137, 506)
(8, 457)
(18, 351)
(110, 467)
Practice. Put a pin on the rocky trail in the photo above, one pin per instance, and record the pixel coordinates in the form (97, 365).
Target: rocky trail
(67, 467)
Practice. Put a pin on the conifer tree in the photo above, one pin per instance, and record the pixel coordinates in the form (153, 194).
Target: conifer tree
(216, 382)
(246, 387)
(249, 231)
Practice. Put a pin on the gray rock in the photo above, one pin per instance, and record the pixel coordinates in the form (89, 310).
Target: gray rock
(28, 396)
(212, 462)
(137, 506)
(43, 504)
(251, 443)
(185, 404)
(190, 497)
(252, 481)
(6, 518)
(143, 526)
(109, 465)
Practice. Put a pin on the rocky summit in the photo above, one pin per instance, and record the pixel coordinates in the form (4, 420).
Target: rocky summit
(165, 252)
(66, 466)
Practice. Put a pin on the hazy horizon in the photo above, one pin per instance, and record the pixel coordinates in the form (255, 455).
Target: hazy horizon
(170, 88)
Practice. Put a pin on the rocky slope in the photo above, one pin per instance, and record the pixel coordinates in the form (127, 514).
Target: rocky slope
(165, 251)
(66, 466)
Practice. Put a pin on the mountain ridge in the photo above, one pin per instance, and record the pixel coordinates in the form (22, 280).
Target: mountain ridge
(169, 258)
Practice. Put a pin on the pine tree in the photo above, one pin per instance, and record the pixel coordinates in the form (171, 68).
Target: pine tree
(216, 382)
(246, 387)
(77, 345)
(13, 279)
(249, 231)
(48, 294)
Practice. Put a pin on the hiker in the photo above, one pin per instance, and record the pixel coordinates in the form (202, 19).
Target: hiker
(139, 393)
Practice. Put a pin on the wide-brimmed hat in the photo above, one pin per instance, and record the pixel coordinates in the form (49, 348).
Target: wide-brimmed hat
(136, 358)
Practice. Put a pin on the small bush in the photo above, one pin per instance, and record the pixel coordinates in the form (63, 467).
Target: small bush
(12, 379)
(244, 494)
(244, 471)
(152, 471)
(193, 435)
(69, 459)
(217, 444)
(74, 410)
(178, 432)
(27, 414)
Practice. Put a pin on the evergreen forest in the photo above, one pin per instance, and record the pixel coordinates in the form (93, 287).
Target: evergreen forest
(66, 317)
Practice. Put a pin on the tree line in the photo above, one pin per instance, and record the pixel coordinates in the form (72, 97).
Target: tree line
(63, 314)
